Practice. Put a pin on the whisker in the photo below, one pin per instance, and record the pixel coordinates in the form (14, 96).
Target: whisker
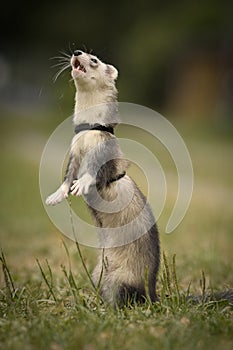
(59, 64)
(60, 72)
(85, 48)
(63, 63)
(60, 58)
(70, 49)
(65, 54)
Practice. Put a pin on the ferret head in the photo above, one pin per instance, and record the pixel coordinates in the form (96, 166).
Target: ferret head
(90, 73)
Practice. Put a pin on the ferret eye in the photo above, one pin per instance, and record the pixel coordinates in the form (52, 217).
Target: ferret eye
(94, 60)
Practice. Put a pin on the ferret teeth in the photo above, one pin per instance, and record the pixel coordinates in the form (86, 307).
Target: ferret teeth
(78, 66)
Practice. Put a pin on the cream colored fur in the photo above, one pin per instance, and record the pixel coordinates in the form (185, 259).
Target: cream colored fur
(125, 222)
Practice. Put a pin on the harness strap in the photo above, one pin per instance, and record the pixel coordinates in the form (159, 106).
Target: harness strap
(118, 177)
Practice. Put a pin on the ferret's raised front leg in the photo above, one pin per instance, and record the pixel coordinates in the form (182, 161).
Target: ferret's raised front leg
(82, 185)
(64, 190)
(58, 196)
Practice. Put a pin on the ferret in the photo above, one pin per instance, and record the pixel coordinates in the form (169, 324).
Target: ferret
(97, 170)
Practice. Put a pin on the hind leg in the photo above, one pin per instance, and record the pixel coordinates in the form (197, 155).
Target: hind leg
(115, 292)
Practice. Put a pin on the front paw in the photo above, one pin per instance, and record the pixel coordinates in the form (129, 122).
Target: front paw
(82, 185)
(57, 196)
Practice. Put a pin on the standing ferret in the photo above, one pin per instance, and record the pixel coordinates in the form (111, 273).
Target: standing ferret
(97, 170)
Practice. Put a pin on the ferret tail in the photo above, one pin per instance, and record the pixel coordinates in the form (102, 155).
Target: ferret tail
(215, 296)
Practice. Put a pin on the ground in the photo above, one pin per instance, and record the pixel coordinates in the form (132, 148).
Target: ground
(51, 304)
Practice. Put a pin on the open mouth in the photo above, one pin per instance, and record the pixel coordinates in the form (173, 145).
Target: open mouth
(78, 66)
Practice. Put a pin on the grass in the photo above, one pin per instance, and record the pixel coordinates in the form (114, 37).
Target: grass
(64, 315)
(46, 298)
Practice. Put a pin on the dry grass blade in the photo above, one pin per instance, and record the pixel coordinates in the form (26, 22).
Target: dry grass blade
(7, 276)
(167, 274)
(203, 286)
(46, 280)
(174, 276)
(79, 250)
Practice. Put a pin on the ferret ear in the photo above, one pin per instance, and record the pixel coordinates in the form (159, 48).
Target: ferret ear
(112, 71)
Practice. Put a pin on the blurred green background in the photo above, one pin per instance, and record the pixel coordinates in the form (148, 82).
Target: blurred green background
(175, 57)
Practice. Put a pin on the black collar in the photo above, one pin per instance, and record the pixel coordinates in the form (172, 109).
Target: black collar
(86, 126)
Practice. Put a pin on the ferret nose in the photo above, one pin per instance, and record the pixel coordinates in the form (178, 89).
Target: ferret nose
(77, 53)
